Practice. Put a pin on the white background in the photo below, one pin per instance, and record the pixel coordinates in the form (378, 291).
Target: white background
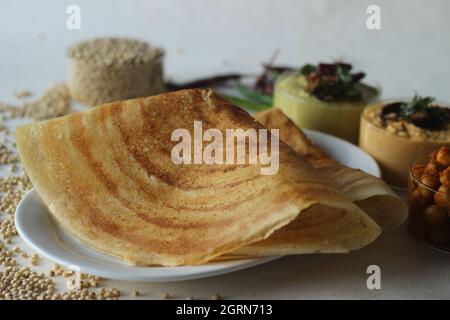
(201, 37)
(410, 52)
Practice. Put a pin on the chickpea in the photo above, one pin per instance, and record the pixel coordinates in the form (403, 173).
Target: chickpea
(421, 197)
(434, 216)
(443, 156)
(432, 169)
(442, 197)
(440, 235)
(430, 181)
(444, 177)
(418, 170)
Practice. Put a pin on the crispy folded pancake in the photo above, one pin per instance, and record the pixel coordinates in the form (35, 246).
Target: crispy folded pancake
(333, 228)
(107, 177)
(370, 193)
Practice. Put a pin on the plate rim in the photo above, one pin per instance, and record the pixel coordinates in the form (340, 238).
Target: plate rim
(309, 132)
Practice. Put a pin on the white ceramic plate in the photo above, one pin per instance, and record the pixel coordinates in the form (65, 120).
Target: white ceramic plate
(39, 231)
(344, 152)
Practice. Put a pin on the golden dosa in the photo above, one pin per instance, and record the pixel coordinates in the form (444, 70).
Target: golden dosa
(370, 193)
(107, 177)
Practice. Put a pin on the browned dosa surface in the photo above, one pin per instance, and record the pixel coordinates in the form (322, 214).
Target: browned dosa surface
(370, 193)
(107, 177)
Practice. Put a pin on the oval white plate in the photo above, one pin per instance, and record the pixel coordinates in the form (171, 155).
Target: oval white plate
(39, 231)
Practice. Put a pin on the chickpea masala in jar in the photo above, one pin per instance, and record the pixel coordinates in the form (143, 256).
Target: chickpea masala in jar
(429, 197)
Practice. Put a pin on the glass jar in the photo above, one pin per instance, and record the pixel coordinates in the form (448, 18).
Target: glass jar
(428, 207)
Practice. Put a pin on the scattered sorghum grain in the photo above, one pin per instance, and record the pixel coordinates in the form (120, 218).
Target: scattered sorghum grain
(23, 94)
(24, 284)
(53, 103)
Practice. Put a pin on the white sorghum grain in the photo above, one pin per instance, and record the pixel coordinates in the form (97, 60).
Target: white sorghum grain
(7, 156)
(54, 102)
(23, 94)
(110, 69)
(22, 283)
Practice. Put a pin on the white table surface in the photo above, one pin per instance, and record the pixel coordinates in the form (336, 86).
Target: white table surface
(409, 270)
(206, 37)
